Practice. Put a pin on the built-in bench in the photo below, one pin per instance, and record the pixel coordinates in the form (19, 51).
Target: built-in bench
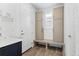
(47, 42)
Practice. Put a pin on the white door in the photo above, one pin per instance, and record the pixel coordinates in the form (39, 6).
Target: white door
(76, 26)
(69, 28)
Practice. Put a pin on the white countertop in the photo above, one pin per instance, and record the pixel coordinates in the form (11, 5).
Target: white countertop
(8, 41)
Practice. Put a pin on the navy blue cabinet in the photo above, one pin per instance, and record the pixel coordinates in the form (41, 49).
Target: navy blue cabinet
(12, 50)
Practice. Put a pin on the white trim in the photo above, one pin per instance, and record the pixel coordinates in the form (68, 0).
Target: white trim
(58, 5)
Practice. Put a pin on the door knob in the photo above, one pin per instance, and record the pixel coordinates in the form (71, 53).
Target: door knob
(69, 36)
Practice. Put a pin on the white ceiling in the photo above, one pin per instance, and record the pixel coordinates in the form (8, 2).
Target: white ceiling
(43, 5)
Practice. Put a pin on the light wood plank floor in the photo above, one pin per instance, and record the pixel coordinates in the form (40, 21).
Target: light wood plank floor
(41, 51)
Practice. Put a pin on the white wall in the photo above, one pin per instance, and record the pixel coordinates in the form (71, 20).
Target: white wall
(23, 16)
(8, 11)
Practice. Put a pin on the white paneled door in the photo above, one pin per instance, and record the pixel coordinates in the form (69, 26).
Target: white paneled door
(71, 32)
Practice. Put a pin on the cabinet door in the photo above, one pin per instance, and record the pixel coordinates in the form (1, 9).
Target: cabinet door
(58, 24)
(39, 28)
(11, 50)
(0, 52)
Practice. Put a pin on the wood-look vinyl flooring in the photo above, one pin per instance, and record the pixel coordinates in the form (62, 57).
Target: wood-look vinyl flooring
(41, 51)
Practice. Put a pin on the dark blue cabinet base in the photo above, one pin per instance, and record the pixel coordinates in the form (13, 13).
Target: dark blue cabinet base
(12, 50)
